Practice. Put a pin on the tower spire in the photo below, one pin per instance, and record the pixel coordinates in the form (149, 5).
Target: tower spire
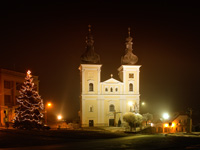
(89, 28)
(90, 57)
(129, 31)
(129, 58)
(129, 42)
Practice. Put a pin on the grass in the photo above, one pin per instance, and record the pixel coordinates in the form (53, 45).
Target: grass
(20, 138)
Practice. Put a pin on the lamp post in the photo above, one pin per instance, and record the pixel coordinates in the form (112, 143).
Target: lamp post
(142, 104)
(49, 105)
(59, 117)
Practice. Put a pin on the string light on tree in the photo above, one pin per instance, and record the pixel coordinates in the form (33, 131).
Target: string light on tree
(29, 114)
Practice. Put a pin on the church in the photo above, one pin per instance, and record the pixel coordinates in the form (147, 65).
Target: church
(105, 103)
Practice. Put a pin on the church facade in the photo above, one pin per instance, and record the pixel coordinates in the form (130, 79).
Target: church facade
(105, 103)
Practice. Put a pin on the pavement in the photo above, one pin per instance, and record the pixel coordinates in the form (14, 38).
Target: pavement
(184, 134)
(136, 142)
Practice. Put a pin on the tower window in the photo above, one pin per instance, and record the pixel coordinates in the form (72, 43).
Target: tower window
(131, 87)
(112, 107)
(91, 87)
(91, 109)
(131, 75)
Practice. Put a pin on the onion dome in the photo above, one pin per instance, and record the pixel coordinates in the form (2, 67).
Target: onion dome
(129, 58)
(89, 56)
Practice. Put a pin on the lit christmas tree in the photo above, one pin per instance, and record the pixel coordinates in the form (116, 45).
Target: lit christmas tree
(29, 111)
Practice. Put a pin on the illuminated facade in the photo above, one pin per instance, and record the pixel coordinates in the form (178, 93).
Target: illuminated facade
(104, 103)
(10, 84)
(180, 123)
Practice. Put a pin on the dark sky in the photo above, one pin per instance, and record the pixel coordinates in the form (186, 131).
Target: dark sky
(49, 38)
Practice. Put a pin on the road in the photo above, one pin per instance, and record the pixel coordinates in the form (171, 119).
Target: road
(138, 142)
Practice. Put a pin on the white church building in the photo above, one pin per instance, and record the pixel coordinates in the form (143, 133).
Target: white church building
(105, 103)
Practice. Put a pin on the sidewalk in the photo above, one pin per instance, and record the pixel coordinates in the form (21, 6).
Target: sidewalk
(3, 128)
(184, 134)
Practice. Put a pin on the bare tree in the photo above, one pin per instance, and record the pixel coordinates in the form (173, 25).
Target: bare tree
(147, 117)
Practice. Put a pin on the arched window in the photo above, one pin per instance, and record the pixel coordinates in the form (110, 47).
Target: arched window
(91, 87)
(130, 87)
(112, 107)
(116, 89)
(111, 89)
(106, 89)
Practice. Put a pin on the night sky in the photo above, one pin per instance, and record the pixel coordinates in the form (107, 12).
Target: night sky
(49, 38)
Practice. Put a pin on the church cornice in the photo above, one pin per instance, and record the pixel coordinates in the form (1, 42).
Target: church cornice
(129, 67)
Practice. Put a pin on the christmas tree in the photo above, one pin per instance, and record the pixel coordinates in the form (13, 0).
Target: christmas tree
(28, 114)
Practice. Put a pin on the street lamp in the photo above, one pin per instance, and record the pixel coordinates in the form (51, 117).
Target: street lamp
(49, 105)
(166, 116)
(59, 117)
(142, 104)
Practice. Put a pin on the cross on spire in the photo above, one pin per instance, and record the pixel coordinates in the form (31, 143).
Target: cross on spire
(89, 28)
(129, 31)
(111, 75)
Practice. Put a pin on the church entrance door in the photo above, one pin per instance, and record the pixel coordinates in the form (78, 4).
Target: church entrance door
(91, 123)
(111, 122)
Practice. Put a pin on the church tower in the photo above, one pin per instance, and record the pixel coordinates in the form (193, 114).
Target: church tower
(129, 75)
(90, 70)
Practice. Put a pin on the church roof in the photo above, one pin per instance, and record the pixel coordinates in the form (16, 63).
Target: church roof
(112, 81)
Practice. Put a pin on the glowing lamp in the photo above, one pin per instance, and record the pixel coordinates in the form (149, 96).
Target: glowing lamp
(166, 116)
(59, 117)
(130, 103)
(143, 103)
(49, 104)
(166, 125)
(173, 124)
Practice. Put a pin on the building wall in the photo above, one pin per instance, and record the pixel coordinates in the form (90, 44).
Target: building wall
(107, 93)
(179, 124)
(10, 83)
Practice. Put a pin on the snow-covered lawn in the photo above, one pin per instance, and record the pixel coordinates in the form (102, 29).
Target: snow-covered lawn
(15, 138)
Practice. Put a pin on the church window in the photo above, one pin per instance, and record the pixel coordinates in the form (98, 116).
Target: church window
(112, 107)
(111, 89)
(91, 87)
(131, 75)
(116, 89)
(130, 87)
(91, 109)
(106, 89)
